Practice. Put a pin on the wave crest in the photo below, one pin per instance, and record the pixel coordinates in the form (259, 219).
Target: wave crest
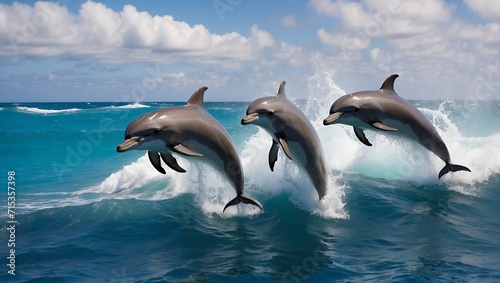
(141, 181)
(129, 106)
(35, 110)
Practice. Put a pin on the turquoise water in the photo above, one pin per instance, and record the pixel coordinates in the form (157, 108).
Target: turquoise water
(86, 213)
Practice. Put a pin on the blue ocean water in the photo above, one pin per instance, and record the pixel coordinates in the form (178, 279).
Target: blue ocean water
(87, 213)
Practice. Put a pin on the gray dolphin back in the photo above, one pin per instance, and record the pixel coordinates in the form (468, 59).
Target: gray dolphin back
(291, 130)
(386, 111)
(191, 131)
(218, 139)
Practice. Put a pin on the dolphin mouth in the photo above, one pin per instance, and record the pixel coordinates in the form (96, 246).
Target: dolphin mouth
(128, 144)
(250, 118)
(332, 118)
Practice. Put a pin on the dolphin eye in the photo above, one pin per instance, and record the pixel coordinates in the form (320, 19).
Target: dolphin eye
(156, 131)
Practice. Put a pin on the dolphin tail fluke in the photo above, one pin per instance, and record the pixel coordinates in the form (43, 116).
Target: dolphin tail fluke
(453, 168)
(243, 199)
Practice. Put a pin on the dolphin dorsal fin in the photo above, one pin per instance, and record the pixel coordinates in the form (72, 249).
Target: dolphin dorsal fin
(389, 83)
(281, 90)
(197, 98)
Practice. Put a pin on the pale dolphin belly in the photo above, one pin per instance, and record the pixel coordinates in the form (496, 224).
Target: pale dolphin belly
(311, 160)
(291, 130)
(384, 110)
(418, 133)
(227, 164)
(403, 130)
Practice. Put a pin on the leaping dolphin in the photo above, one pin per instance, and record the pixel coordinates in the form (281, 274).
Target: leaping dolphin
(190, 131)
(384, 110)
(291, 129)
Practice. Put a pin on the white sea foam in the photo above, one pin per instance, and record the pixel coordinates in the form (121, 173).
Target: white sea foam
(388, 158)
(394, 158)
(129, 106)
(211, 189)
(287, 176)
(35, 110)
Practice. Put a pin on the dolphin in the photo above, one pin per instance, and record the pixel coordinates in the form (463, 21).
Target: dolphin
(190, 131)
(384, 110)
(291, 130)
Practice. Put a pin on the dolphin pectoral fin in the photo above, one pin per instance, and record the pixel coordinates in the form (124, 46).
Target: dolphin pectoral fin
(284, 145)
(383, 127)
(243, 199)
(361, 136)
(172, 162)
(453, 168)
(186, 151)
(273, 155)
(154, 158)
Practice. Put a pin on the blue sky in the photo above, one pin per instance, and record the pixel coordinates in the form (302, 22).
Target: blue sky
(163, 50)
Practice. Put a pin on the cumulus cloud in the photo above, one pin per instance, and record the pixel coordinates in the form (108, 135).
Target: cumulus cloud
(421, 37)
(49, 29)
(488, 9)
(403, 24)
(386, 18)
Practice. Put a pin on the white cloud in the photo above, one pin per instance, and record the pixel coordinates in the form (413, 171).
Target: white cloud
(374, 53)
(139, 28)
(421, 38)
(325, 7)
(350, 40)
(380, 18)
(262, 38)
(422, 11)
(289, 21)
(48, 29)
(352, 14)
(488, 9)
(488, 33)
(409, 27)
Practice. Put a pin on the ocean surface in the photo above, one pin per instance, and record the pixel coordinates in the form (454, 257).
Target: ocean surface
(85, 213)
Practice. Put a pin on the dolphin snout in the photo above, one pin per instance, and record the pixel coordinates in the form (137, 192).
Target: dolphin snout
(120, 148)
(250, 118)
(332, 118)
(127, 144)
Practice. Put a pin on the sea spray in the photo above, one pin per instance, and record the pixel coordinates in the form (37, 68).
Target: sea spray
(128, 106)
(35, 110)
(399, 222)
(480, 154)
(141, 181)
(117, 177)
(395, 158)
(287, 177)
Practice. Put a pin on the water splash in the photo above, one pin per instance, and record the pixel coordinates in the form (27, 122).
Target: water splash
(389, 158)
(35, 110)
